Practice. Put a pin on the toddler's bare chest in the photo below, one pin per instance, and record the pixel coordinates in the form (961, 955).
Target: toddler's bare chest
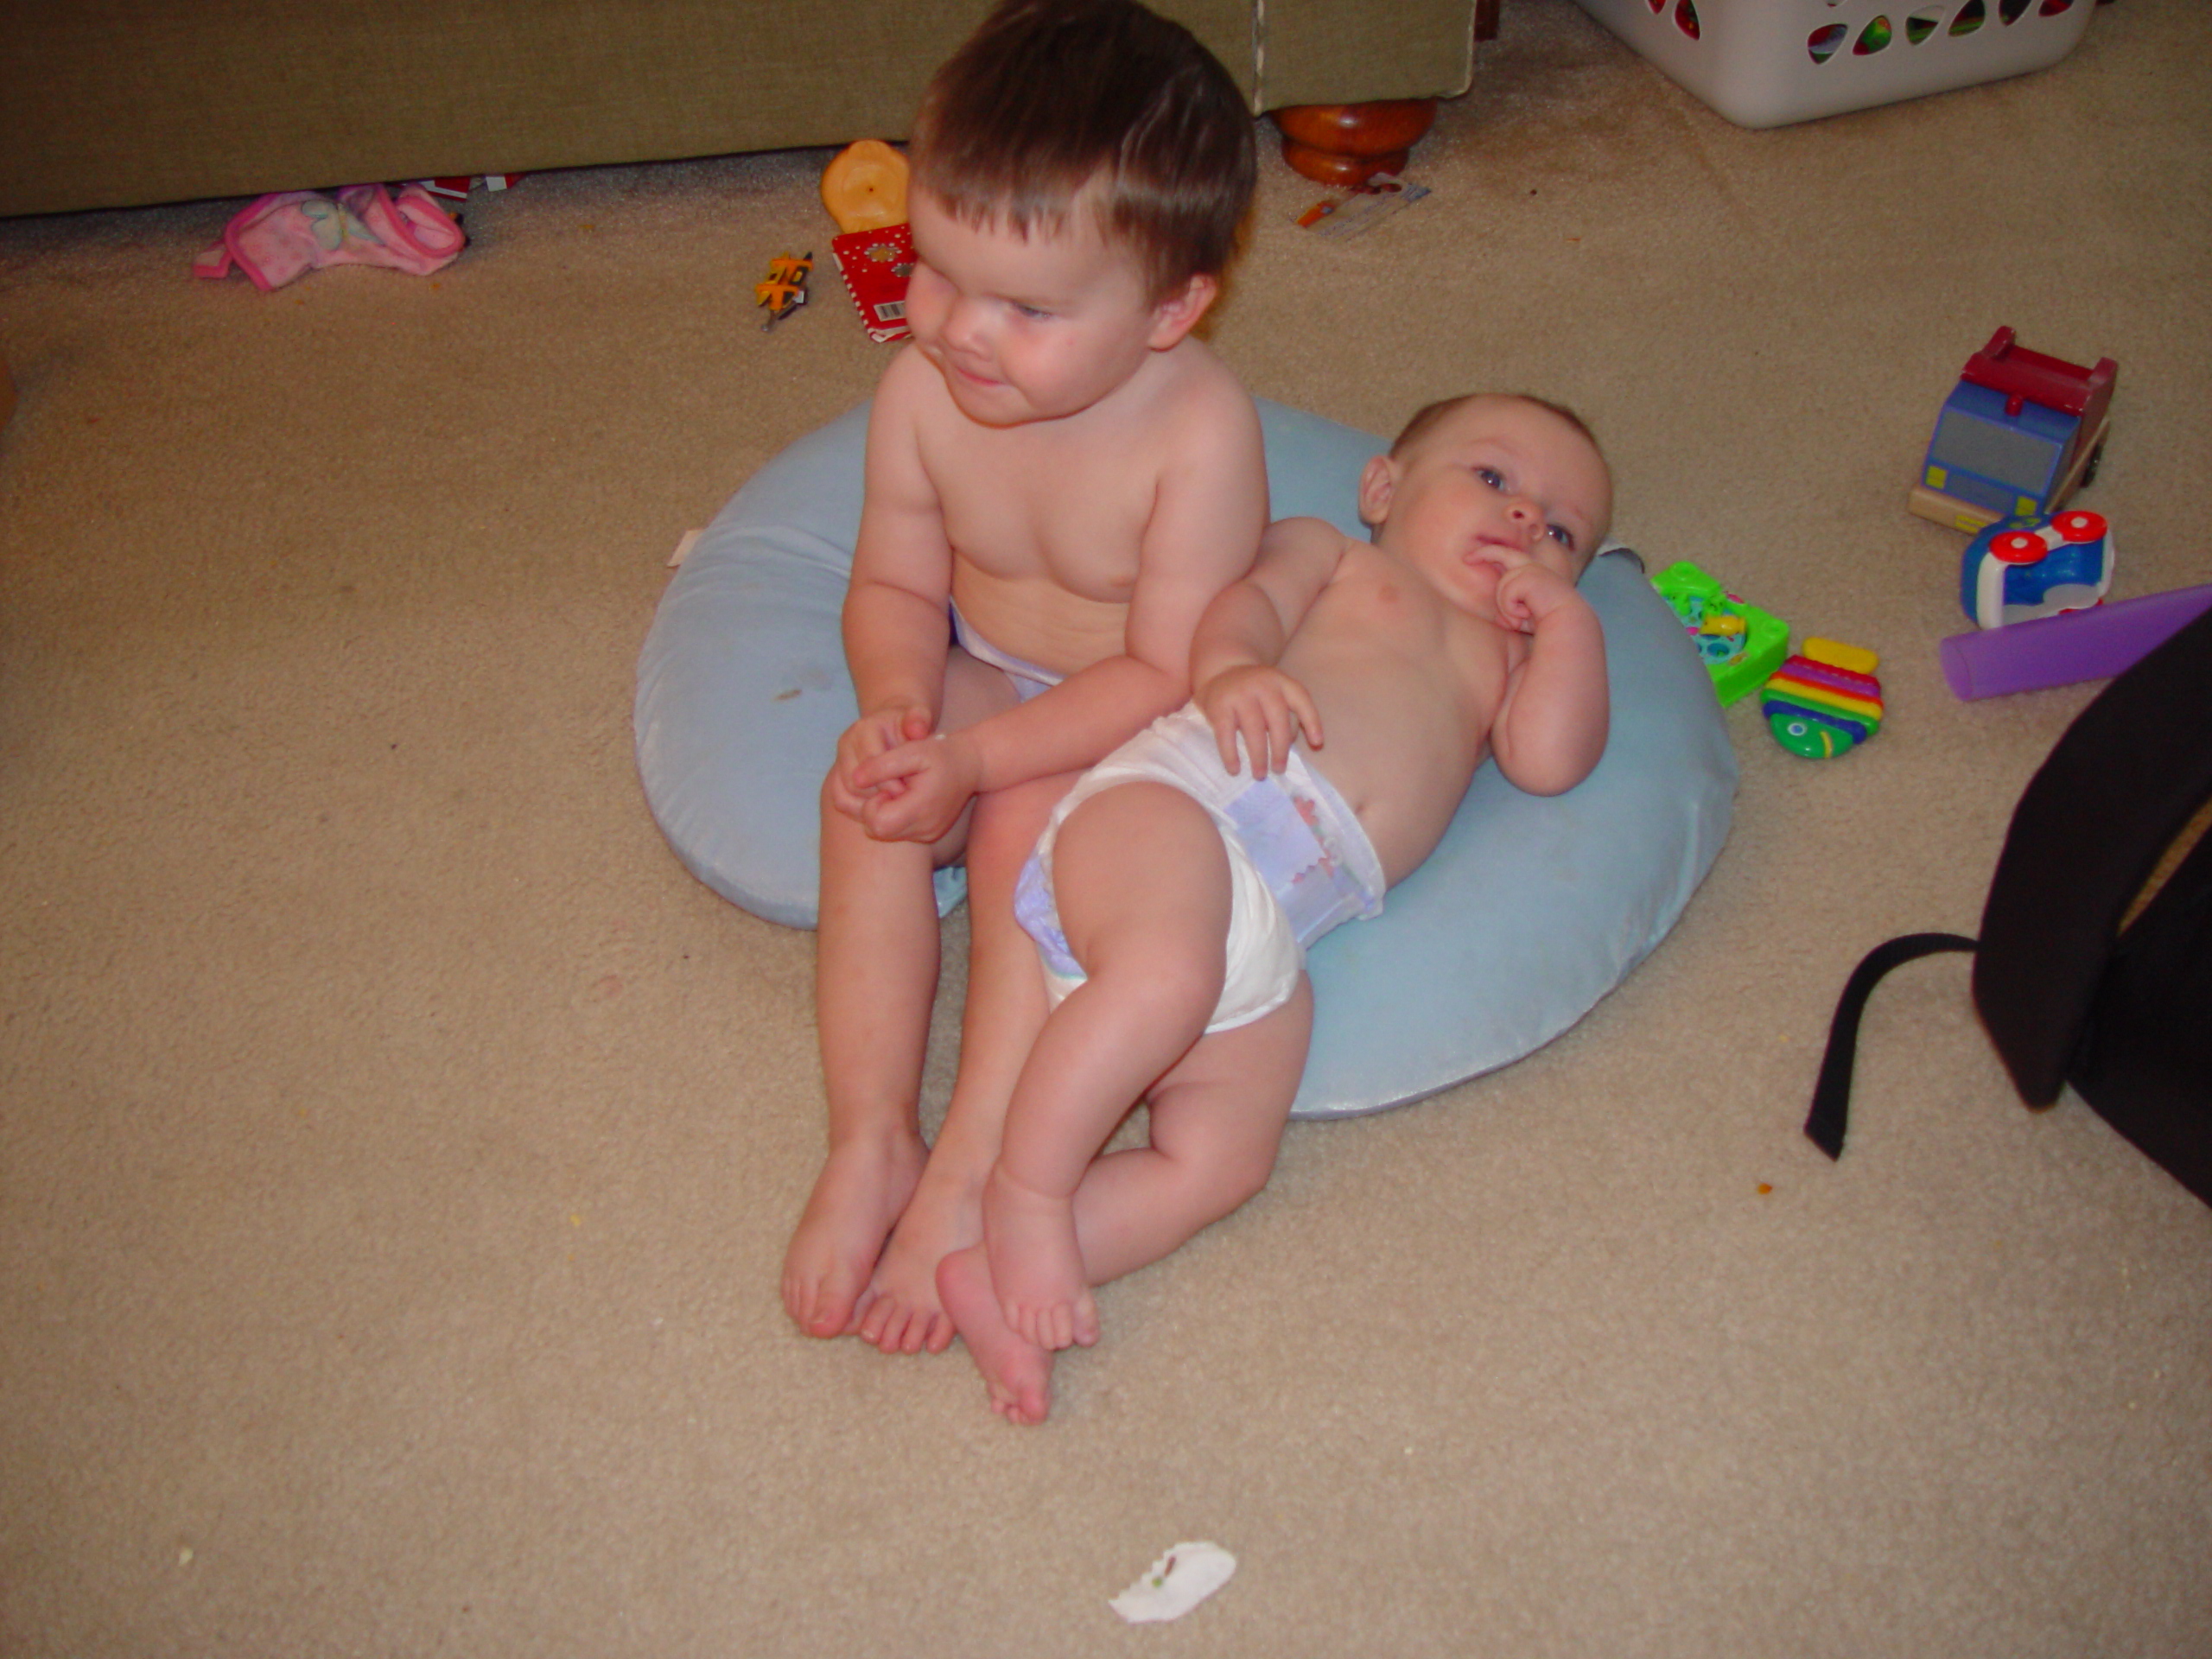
(1073, 521)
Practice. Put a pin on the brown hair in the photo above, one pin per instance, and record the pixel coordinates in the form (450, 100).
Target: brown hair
(1048, 95)
(1428, 415)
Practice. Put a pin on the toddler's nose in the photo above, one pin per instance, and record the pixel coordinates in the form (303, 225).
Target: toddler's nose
(964, 323)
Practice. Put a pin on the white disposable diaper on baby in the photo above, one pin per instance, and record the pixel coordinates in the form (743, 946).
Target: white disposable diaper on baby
(1298, 862)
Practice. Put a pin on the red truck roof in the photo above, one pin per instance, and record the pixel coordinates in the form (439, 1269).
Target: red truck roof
(2005, 367)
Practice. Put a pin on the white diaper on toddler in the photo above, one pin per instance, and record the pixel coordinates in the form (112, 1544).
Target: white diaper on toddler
(1028, 679)
(1298, 862)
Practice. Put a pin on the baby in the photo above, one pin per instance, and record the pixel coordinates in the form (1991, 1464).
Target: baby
(1063, 471)
(1171, 897)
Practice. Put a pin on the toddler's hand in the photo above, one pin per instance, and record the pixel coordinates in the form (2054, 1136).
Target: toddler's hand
(919, 789)
(1266, 708)
(871, 735)
(1530, 593)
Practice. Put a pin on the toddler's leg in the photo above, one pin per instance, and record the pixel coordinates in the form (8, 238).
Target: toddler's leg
(875, 979)
(1141, 882)
(1004, 1008)
(1216, 1121)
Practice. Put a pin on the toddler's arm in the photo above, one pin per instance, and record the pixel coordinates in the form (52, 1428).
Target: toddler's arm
(1210, 504)
(1550, 727)
(1243, 636)
(895, 613)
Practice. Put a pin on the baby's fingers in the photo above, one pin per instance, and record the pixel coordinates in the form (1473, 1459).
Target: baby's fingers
(1308, 713)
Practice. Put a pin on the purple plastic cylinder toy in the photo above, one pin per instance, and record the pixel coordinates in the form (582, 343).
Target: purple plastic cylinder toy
(2091, 645)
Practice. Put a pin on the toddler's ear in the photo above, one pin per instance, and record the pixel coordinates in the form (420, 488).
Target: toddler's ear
(1378, 485)
(1177, 314)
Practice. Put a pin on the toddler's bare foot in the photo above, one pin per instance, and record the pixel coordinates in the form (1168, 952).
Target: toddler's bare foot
(863, 1186)
(1036, 1264)
(1017, 1372)
(904, 1312)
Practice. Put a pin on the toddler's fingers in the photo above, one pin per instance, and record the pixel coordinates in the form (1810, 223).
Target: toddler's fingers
(888, 819)
(893, 765)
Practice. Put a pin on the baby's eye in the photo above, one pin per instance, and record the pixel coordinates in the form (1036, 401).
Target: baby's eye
(1562, 535)
(1034, 313)
(1490, 476)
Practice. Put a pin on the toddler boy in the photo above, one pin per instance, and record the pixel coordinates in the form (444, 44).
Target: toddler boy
(1059, 467)
(1172, 897)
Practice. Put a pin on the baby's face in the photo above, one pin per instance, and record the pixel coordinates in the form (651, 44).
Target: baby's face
(1497, 483)
(1030, 328)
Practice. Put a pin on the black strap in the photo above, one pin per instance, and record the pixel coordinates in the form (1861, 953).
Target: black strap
(1824, 1124)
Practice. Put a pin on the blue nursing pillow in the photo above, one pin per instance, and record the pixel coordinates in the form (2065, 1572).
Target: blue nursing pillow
(1529, 911)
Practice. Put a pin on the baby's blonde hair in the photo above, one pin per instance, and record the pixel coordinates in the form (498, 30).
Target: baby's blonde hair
(1429, 415)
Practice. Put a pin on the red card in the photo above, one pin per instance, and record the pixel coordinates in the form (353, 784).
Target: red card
(875, 265)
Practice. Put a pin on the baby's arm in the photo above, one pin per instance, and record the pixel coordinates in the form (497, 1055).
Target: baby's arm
(1550, 727)
(1243, 637)
(1210, 506)
(894, 612)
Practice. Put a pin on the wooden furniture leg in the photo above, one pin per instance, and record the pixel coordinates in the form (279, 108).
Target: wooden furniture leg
(1346, 144)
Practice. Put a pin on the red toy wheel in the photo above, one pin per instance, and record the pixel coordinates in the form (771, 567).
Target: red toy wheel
(2080, 526)
(2018, 547)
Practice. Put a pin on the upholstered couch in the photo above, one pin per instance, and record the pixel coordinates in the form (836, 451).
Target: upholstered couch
(118, 103)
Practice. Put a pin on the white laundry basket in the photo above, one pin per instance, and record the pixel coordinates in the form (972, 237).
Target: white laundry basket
(1764, 63)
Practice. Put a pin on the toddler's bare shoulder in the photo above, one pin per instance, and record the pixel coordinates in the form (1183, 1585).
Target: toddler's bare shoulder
(1210, 417)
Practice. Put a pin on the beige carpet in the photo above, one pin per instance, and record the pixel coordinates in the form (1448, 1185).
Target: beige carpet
(398, 1147)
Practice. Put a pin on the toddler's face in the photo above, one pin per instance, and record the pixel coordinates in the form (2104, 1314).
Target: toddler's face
(1497, 483)
(1030, 328)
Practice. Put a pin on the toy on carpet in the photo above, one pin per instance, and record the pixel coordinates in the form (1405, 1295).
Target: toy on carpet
(2091, 645)
(2022, 569)
(784, 289)
(1824, 701)
(864, 188)
(2018, 435)
(1739, 644)
(280, 237)
(455, 188)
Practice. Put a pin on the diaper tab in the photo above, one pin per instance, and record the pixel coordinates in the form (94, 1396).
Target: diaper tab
(1311, 849)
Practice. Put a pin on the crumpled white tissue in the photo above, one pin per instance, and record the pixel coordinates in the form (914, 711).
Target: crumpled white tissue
(1175, 1583)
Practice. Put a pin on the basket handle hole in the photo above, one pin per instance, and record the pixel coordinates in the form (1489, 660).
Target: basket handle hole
(1922, 24)
(2010, 11)
(1825, 43)
(1971, 17)
(1685, 17)
(1873, 38)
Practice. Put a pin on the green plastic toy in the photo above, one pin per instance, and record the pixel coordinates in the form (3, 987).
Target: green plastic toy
(1740, 643)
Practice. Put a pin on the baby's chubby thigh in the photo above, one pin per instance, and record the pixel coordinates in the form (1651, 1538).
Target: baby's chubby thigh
(1142, 884)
